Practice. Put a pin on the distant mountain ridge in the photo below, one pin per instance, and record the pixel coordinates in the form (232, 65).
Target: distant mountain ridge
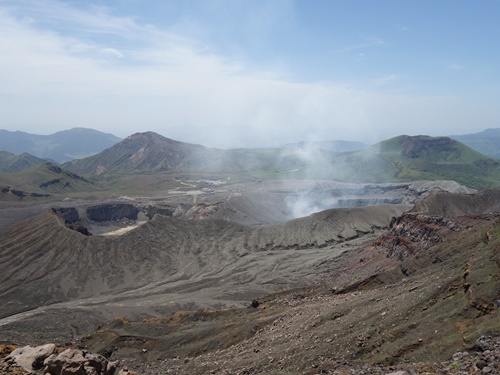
(59, 147)
(399, 159)
(486, 142)
(404, 158)
(151, 153)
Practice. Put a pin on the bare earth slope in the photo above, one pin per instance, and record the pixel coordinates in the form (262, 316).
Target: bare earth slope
(370, 306)
(167, 263)
(349, 288)
(452, 205)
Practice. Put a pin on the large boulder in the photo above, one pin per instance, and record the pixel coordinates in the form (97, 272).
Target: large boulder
(30, 358)
(78, 362)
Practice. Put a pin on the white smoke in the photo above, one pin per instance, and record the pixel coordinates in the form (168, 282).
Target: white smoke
(305, 203)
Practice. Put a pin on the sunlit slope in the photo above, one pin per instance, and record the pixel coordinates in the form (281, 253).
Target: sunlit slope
(43, 179)
(423, 290)
(10, 163)
(407, 158)
(46, 262)
(139, 153)
(400, 159)
(147, 153)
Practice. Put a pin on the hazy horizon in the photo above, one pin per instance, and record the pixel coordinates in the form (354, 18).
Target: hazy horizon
(253, 146)
(229, 73)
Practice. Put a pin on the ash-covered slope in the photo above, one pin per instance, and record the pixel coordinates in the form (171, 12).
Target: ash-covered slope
(370, 306)
(422, 290)
(205, 262)
(275, 202)
(451, 205)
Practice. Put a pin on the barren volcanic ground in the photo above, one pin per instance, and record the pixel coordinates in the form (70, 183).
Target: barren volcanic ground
(165, 265)
(365, 282)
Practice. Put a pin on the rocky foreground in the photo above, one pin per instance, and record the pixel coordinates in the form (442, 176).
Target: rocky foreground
(483, 358)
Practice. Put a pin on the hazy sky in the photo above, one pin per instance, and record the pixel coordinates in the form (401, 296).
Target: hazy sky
(229, 73)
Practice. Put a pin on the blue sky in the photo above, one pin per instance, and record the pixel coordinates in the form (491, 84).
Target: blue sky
(233, 73)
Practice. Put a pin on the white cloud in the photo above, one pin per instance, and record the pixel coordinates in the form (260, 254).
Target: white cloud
(456, 66)
(385, 80)
(154, 80)
(401, 27)
(113, 52)
(370, 42)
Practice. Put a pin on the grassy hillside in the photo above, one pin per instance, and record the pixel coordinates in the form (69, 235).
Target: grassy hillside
(140, 153)
(150, 153)
(400, 159)
(42, 180)
(406, 158)
(15, 163)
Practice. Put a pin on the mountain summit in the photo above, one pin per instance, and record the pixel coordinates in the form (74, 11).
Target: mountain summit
(412, 158)
(404, 158)
(432, 149)
(140, 152)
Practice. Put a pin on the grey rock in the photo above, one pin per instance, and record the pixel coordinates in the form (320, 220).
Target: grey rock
(457, 356)
(484, 344)
(30, 358)
(78, 362)
(481, 364)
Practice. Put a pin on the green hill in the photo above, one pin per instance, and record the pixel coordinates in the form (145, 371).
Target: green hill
(147, 153)
(400, 159)
(410, 158)
(42, 181)
(140, 153)
(15, 163)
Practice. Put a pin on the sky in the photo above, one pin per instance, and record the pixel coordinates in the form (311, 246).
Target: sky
(251, 73)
